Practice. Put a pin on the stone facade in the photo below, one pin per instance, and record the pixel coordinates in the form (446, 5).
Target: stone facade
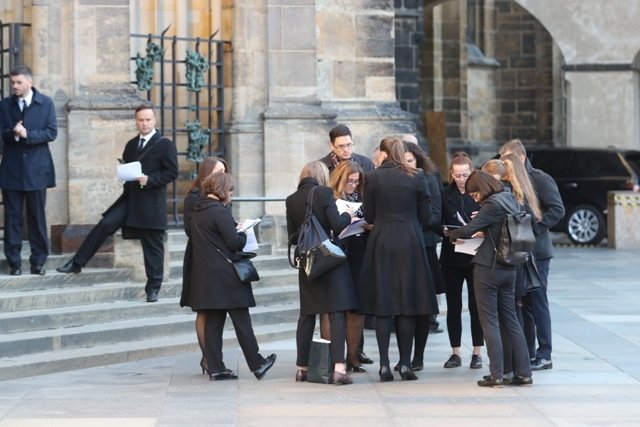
(566, 73)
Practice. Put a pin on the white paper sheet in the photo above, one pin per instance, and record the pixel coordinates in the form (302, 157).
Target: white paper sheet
(129, 171)
(356, 227)
(249, 223)
(467, 246)
(343, 205)
(252, 243)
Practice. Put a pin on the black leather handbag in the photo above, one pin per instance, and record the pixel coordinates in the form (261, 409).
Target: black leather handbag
(316, 253)
(532, 278)
(243, 266)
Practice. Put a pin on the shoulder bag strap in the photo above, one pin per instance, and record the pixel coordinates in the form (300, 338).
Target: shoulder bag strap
(195, 223)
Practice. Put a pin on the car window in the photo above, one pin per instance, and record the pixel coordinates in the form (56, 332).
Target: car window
(553, 162)
(588, 164)
(634, 161)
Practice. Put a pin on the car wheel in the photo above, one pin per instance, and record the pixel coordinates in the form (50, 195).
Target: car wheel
(585, 225)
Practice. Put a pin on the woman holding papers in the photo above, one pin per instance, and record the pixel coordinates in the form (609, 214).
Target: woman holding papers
(208, 166)
(458, 207)
(431, 233)
(494, 282)
(216, 289)
(331, 293)
(396, 201)
(347, 182)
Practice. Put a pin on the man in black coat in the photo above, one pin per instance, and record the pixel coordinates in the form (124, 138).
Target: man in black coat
(28, 122)
(341, 144)
(141, 208)
(537, 318)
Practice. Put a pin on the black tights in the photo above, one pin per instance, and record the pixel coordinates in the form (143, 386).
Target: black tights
(405, 331)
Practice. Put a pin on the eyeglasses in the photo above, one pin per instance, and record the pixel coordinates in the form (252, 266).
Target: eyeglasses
(461, 176)
(348, 146)
(353, 181)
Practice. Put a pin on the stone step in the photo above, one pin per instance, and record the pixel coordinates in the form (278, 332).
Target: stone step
(106, 354)
(91, 335)
(27, 311)
(53, 279)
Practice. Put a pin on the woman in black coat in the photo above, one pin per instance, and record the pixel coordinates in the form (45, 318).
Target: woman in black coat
(333, 292)
(494, 282)
(456, 267)
(215, 287)
(396, 202)
(418, 159)
(208, 166)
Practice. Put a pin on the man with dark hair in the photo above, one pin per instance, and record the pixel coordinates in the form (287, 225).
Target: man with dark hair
(341, 145)
(535, 310)
(28, 122)
(141, 208)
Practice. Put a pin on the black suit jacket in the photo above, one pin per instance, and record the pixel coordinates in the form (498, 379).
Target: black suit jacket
(552, 210)
(147, 205)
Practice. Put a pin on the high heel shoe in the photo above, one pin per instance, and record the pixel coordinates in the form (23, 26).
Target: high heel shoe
(407, 374)
(341, 379)
(356, 369)
(205, 369)
(301, 376)
(385, 374)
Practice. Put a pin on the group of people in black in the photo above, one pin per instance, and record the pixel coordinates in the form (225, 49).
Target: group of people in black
(393, 272)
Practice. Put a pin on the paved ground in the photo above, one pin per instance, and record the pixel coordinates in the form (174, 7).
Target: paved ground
(595, 295)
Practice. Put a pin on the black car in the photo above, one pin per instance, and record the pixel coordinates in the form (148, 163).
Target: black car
(584, 176)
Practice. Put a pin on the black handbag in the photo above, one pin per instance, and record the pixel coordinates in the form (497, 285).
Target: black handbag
(316, 253)
(532, 279)
(244, 268)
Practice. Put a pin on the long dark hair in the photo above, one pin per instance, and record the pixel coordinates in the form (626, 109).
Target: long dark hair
(394, 149)
(422, 160)
(205, 169)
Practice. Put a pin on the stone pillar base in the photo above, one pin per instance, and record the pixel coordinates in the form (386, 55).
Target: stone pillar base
(622, 217)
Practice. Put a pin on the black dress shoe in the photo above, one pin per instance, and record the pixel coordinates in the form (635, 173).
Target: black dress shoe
(227, 374)
(519, 381)
(453, 362)
(489, 381)
(385, 374)
(266, 365)
(541, 365)
(15, 271)
(407, 374)
(70, 267)
(38, 269)
(415, 366)
(355, 369)
(152, 297)
(476, 361)
(364, 359)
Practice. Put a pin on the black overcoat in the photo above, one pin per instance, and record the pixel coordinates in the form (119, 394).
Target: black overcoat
(147, 205)
(190, 201)
(27, 164)
(333, 291)
(395, 260)
(213, 281)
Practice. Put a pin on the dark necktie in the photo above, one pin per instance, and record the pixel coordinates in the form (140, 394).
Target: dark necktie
(141, 144)
(23, 104)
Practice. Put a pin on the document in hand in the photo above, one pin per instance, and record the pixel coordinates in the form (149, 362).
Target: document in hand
(467, 246)
(356, 227)
(129, 171)
(249, 223)
(343, 205)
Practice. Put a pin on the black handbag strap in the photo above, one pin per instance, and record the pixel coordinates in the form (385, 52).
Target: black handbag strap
(195, 223)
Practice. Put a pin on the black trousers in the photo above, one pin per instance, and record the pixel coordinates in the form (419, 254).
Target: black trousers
(304, 336)
(244, 332)
(152, 242)
(36, 222)
(454, 279)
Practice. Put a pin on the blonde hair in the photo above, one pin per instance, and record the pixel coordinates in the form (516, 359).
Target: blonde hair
(513, 146)
(338, 180)
(510, 169)
(316, 170)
